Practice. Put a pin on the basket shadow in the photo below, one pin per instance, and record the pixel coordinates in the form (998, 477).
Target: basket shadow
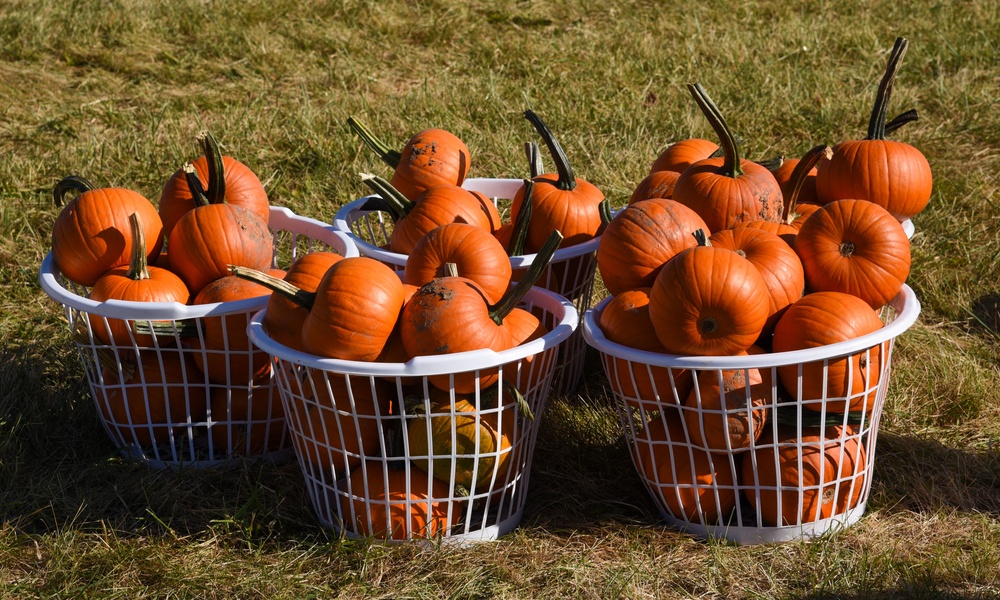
(984, 315)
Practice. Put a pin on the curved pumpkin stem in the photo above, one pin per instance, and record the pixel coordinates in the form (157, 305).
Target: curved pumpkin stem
(731, 151)
(605, 209)
(388, 155)
(194, 185)
(701, 237)
(520, 233)
(138, 266)
(798, 178)
(280, 286)
(567, 181)
(900, 120)
(535, 165)
(216, 192)
(394, 202)
(513, 297)
(70, 183)
(876, 124)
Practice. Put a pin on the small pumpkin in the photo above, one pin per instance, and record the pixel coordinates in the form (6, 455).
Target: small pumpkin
(92, 234)
(793, 480)
(658, 184)
(430, 158)
(892, 174)
(385, 501)
(476, 254)
(694, 485)
(727, 410)
(836, 384)
(560, 201)
(138, 282)
(728, 190)
(708, 301)
(223, 179)
(283, 318)
(682, 154)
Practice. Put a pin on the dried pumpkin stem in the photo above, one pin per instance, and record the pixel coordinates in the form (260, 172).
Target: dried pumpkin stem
(535, 165)
(297, 295)
(520, 232)
(876, 124)
(216, 192)
(138, 267)
(397, 204)
(71, 183)
(567, 181)
(388, 155)
(731, 166)
(900, 120)
(194, 185)
(799, 175)
(701, 237)
(513, 296)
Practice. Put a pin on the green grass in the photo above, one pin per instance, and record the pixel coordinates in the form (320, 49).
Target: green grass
(115, 90)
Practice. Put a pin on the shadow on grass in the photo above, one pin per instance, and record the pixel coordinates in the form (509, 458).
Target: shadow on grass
(984, 315)
(59, 471)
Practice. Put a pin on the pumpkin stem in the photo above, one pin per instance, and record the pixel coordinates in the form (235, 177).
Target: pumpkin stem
(900, 120)
(513, 296)
(798, 178)
(876, 124)
(70, 183)
(388, 155)
(520, 233)
(605, 209)
(194, 185)
(566, 179)
(299, 296)
(771, 164)
(489, 399)
(397, 205)
(731, 166)
(185, 328)
(535, 165)
(138, 267)
(701, 237)
(216, 191)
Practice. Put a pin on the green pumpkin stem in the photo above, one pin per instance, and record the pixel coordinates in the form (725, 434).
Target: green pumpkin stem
(876, 124)
(70, 183)
(513, 296)
(798, 178)
(900, 120)
(566, 181)
(388, 155)
(771, 164)
(397, 204)
(277, 285)
(605, 209)
(520, 233)
(194, 185)
(731, 166)
(216, 192)
(535, 165)
(138, 266)
(701, 237)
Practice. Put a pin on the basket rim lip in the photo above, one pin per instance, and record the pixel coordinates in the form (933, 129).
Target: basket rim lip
(127, 309)
(441, 364)
(905, 302)
(340, 223)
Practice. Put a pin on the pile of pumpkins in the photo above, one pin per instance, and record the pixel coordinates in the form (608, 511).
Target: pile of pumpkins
(721, 256)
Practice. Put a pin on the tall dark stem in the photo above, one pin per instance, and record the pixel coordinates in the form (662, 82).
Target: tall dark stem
(388, 155)
(397, 204)
(216, 192)
(798, 178)
(876, 124)
(520, 232)
(567, 181)
(280, 286)
(731, 166)
(70, 183)
(513, 297)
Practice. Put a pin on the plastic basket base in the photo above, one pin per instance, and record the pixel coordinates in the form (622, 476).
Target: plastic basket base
(767, 535)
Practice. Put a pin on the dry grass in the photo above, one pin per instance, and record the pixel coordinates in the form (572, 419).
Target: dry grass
(116, 89)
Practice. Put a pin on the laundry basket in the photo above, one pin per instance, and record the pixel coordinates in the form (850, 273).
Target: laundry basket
(569, 274)
(755, 466)
(151, 394)
(390, 450)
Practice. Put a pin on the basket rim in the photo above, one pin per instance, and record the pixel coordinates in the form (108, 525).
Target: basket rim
(442, 364)
(494, 187)
(280, 218)
(905, 303)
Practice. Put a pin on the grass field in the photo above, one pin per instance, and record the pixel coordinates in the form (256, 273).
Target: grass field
(115, 90)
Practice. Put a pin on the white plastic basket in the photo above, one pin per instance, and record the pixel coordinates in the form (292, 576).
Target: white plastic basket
(354, 424)
(738, 496)
(570, 274)
(167, 412)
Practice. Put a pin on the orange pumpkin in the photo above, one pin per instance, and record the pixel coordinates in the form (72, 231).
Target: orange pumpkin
(476, 254)
(284, 318)
(225, 353)
(728, 409)
(682, 154)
